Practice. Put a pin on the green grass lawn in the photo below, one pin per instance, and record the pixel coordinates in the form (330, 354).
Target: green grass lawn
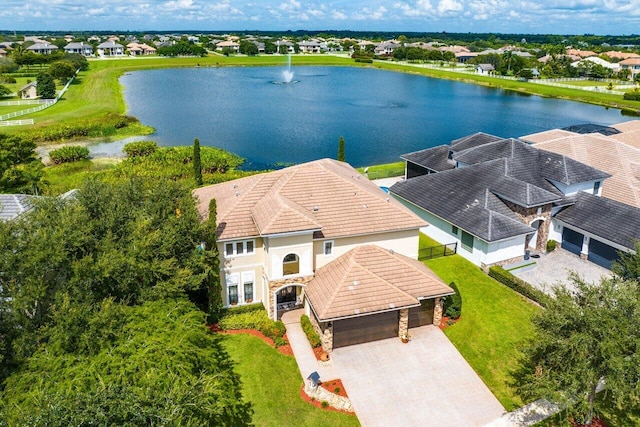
(384, 170)
(272, 382)
(59, 179)
(494, 323)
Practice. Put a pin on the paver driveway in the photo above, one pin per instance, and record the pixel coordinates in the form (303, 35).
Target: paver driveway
(423, 383)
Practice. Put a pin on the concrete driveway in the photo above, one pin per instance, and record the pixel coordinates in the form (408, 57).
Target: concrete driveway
(423, 383)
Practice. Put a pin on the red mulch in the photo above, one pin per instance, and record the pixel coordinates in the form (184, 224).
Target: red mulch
(596, 422)
(447, 321)
(284, 349)
(318, 404)
(318, 351)
(332, 385)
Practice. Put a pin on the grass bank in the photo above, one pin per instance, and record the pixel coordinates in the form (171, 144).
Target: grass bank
(272, 383)
(494, 324)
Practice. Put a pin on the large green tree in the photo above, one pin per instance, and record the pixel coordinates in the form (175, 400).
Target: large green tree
(341, 155)
(46, 88)
(20, 169)
(587, 336)
(627, 266)
(62, 70)
(197, 163)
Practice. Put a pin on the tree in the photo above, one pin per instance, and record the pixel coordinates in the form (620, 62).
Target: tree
(248, 48)
(341, 157)
(583, 337)
(627, 267)
(62, 70)
(270, 47)
(213, 286)
(197, 164)
(46, 87)
(4, 91)
(15, 153)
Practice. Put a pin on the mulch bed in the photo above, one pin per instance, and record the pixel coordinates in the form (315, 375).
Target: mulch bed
(596, 422)
(284, 349)
(318, 352)
(447, 321)
(332, 385)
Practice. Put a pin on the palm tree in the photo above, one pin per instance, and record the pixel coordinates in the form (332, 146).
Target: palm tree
(507, 57)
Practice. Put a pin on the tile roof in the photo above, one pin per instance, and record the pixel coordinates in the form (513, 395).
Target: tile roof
(370, 279)
(13, 205)
(325, 195)
(547, 135)
(605, 218)
(432, 158)
(631, 125)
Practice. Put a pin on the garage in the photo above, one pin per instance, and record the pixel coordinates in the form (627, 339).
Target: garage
(602, 254)
(423, 315)
(572, 240)
(357, 330)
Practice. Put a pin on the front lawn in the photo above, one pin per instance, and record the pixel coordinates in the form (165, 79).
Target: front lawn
(494, 323)
(272, 382)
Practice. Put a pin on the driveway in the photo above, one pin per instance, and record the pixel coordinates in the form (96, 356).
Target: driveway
(423, 383)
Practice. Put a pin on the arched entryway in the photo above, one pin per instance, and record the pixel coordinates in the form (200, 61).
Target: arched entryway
(287, 298)
(535, 241)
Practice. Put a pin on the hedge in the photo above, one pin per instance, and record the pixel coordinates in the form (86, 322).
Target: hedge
(140, 148)
(99, 127)
(312, 335)
(254, 318)
(69, 154)
(518, 285)
(453, 303)
(633, 95)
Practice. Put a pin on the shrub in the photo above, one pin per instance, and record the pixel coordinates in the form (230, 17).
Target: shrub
(518, 285)
(72, 153)
(312, 335)
(551, 245)
(453, 303)
(364, 60)
(140, 148)
(254, 317)
(7, 79)
(324, 404)
(633, 95)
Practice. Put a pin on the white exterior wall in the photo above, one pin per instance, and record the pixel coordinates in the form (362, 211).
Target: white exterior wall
(403, 242)
(505, 249)
(568, 190)
(279, 247)
(555, 231)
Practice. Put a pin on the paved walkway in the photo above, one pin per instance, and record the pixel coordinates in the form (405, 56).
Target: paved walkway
(423, 383)
(553, 268)
(306, 360)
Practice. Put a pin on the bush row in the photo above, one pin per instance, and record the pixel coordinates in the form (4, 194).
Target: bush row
(453, 303)
(633, 95)
(104, 126)
(254, 318)
(140, 149)
(72, 153)
(518, 285)
(312, 335)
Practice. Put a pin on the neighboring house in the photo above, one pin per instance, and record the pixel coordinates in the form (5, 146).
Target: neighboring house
(288, 237)
(43, 48)
(615, 67)
(485, 69)
(14, 205)
(464, 57)
(228, 44)
(3, 53)
(140, 49)
(110, 48)
(310, 46)
(495, 197)
(631, 64)
(29, 91)
(80, 48)
(613, 149)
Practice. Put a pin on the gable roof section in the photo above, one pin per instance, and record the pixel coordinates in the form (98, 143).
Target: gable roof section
(370, 279)
(435, 158)
(476, 140)
(592, 128)
(605, 218)
(466, 197)
(547, 135)
(324, 194)
(14, 205)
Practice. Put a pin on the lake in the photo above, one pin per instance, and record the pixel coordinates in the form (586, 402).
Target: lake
(381, 114)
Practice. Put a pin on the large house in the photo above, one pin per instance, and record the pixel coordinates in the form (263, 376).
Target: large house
(322, 236)
(502, 198)
(80, 48)
(110, 48)
(43, 48)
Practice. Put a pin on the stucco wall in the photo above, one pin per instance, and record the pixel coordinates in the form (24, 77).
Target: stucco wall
(278, 248)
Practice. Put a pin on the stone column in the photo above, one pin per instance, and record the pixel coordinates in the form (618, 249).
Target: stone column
(437, 311)
(585, 248)
(327, 338)
(403, 325)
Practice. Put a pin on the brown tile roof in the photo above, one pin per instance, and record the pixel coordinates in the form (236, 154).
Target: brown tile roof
(607, 154)
(324, 194)
(630, 61)
(370, 279)
(628, 126)
(547, 135)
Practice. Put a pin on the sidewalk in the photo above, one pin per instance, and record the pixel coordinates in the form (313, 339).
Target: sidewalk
(306, 360)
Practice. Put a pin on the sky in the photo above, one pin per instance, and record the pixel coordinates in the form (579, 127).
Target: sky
(604, 17)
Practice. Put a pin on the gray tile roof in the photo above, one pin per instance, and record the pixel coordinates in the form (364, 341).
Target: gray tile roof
(606, 218)
(475, 140)
(464, 197)
(432, 158)
(13, 205)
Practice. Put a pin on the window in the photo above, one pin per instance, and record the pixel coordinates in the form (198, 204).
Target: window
(290, 264)
(467, 241)
(328, 247)
(596, 187)
(247, 286)
(244, 247)
(232, 288)
(454, 230)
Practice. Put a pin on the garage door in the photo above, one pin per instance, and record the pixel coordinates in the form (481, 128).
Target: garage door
(602, 254)
(423, 315)
(572, 240)
(365, 328)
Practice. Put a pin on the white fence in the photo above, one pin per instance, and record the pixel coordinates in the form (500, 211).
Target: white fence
(22, 102)
(16, 122)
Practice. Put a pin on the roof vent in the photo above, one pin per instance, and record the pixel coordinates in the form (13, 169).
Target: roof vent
(235, 185)
(237, 193)
(388, 199)
(392, 305)
(356, 283)
(391, 251)
(356, 311)
(315, 208)
(365, 206)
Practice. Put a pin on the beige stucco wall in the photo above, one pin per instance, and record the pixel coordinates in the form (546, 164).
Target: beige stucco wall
(278, 248)
(243, 264)
(403, 242)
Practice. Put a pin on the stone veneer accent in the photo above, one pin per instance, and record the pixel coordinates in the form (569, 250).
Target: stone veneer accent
(324, 331)
(276, 284)
(438, 307)
(528, 215)
(321, 394)
(403, 325)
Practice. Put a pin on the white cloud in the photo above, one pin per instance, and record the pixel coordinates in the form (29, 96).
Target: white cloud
(446, 6)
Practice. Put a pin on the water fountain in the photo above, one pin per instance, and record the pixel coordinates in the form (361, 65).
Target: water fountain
(287, 74)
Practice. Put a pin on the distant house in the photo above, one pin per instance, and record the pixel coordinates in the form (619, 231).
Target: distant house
(29, 91)
(310, 46)
(3, 53)
(110, 48)
(386, 48)
(235, 47)
(631, 64)
(14, 205)
(140, 49)
(79, 48)
(43, 48)
(485, 69)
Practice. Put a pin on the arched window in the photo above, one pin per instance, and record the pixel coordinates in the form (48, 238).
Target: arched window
(290, 264)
